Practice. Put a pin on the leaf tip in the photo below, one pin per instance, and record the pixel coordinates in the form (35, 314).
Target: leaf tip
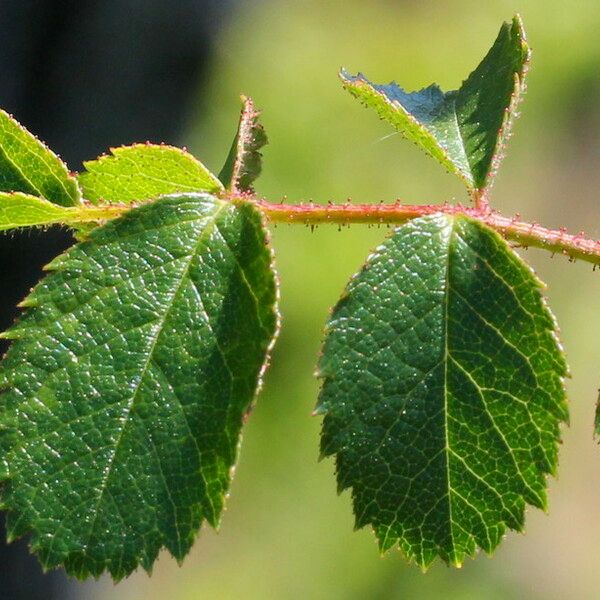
(29, 302)
(518, 30)
(319, 410)
(10, 334)
(350, 81)
(344, 75)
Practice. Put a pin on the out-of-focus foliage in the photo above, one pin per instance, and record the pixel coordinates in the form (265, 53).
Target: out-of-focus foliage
(287, 535)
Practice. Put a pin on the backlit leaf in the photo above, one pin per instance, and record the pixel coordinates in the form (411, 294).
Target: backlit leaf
(28, 166)
(144, 171)
(465, 130)
(21, 210)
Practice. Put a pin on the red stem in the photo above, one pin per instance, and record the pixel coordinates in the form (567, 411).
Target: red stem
(525, 234)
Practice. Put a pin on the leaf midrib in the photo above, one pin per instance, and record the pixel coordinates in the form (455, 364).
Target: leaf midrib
(51, 168)
(462, 144)
(450, 163)
(32, 186)
(156, 335)
(446, 360)
(447, 357)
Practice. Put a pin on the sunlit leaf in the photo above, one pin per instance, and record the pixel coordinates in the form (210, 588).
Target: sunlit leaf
(28, 166)
(21, 210)
(442, 390)
(465, 130)
(144, 171)
(128, 381)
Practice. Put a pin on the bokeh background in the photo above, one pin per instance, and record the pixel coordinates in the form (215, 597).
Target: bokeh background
(116, 72)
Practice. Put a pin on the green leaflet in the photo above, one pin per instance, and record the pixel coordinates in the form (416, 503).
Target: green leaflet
(465, 130)
(144, 171)
(128, 381)
(442, 390)
(21, 210)
(28, 166)
(244, 162)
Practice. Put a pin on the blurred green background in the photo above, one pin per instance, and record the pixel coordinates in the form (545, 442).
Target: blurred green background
(286, 534)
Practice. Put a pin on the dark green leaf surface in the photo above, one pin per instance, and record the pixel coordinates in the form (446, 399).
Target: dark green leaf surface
(28, 166)
(144, 171)
(442, 390)
(465, 130)
(244, 162)
(126, 386)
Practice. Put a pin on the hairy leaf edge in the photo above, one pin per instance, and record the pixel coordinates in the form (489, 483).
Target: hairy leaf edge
(360, 84)
(113, 155)
(321, 409)
(35, 544)
(75, 194)
(243, 143)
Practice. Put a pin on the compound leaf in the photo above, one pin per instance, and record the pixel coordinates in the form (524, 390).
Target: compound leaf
(244, 162)
(28, 166)
(144, 171)
(442, 390)
(465, 130)
(130, 375)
